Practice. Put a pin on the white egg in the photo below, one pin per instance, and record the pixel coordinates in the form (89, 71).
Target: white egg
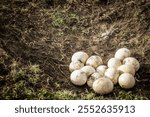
(101, 68)
(93, 77)
(103, 86)
(122, 53)
(126, 68)
(94, 61)
(88, 70)
(126, 81)
(80, 56)
(112, 74)
(78, 77)
(114, 63)
(75, 65)
(132, 61)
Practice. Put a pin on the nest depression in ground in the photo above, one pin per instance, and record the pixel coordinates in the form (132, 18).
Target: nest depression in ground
(38, 38)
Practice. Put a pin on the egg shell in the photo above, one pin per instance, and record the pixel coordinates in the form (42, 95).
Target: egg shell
(126, 81)
(126, 68)
(75, 65)
(133, 61)
(78, 77)
(112, 74)
(103, 86)
(114, 63)
(93, 77)
(122, 53)
(94, 61)
(80, 56)
(88, 70)
(101, 68)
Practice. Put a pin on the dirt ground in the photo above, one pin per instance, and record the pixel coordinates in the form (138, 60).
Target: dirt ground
(38, 38)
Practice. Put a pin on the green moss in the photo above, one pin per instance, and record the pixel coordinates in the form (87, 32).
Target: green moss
(146, 37)
(65, 95)
(128, 95)
(34, 68)
(44, 94)
(57, 19)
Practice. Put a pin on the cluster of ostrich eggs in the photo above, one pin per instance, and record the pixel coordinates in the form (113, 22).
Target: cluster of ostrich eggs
(102, 77)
